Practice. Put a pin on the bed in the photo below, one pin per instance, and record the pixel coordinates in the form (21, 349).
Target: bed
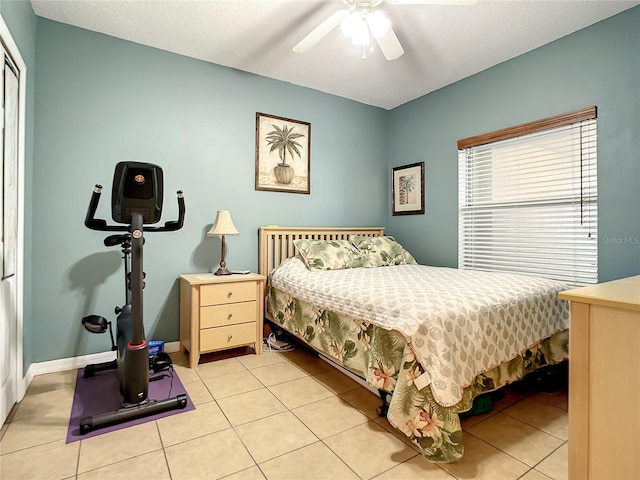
(429, 339)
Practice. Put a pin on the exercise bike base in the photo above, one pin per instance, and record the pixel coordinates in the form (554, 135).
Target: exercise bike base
(124, 414)
(92, 369)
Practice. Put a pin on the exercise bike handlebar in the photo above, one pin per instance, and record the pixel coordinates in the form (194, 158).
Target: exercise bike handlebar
(90, 221)
(99, 224)
(173, 224)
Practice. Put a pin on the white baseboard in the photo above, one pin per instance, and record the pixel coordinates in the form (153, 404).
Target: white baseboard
(63, 364)
(53, 366)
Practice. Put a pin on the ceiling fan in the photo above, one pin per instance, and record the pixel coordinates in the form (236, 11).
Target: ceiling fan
(362, 23)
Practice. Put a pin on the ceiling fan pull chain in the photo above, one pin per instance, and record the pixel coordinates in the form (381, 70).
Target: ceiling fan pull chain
(364, 46)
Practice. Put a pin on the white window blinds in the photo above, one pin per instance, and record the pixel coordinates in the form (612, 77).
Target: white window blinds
(528, 204)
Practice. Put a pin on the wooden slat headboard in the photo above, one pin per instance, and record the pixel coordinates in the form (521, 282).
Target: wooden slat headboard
(275, 244)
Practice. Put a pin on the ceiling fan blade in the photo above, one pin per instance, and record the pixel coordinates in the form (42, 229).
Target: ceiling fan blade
(390, 45)
(320, 31)
(432, 2)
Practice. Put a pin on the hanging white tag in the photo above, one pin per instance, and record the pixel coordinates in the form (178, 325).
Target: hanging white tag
(422, 381)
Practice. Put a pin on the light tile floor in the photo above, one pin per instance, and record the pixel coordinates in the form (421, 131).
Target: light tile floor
(277, 416)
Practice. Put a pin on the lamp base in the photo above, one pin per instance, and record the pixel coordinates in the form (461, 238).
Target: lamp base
(222, 271)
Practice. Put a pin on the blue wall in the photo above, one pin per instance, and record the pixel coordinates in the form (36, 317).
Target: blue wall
(100, 100)
(599, 65)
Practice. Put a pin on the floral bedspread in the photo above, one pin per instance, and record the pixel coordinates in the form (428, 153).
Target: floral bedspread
(387, 360)
(458, 323)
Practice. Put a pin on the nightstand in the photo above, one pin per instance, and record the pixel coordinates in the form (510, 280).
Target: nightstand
(220, 312)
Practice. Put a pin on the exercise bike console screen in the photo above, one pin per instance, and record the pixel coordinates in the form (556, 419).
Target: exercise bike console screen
(137, 187)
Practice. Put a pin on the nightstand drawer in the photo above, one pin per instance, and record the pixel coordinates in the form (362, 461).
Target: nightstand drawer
(227, 293)
(228, 314)
(227, 337)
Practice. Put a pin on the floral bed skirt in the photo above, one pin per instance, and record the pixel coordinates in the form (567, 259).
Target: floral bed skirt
(383, 358)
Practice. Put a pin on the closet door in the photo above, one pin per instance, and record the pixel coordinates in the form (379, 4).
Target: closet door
(9, 83)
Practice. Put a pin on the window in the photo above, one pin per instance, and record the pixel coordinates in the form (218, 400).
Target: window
(528, 199)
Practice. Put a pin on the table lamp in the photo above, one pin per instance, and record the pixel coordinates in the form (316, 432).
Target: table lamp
(221, 227)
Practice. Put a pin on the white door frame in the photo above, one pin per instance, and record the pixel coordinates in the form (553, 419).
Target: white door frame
(14, 52)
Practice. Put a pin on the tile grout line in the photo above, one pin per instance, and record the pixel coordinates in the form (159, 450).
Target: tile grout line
(267, 387)
(78, 459)
(32, 446)
(233, 427)
(339, 457)
(164, 451)
(510, 455)
(537, 428)
(551, 453)
(319, 440)
(278, 413)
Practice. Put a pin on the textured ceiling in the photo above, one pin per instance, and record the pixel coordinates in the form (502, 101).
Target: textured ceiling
(442, 43)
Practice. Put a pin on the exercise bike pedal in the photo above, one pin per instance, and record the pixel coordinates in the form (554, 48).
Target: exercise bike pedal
(98, 324)
(95, 323)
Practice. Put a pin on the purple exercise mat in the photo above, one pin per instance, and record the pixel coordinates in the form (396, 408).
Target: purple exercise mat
(101, 394)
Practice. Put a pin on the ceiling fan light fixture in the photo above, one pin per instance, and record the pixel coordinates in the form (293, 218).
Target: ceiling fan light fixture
(355, 26)
(361, 36)
(351, 22)
(360, 22)
(378, 23)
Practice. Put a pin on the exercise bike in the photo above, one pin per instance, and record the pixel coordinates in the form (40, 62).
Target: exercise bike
(136, 200)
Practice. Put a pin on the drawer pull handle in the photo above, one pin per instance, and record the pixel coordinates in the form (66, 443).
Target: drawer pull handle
(229, 293)
(229, 315)
(229, 337)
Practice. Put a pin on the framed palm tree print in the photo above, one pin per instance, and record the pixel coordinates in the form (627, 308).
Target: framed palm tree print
(408, 189)
(283, 154)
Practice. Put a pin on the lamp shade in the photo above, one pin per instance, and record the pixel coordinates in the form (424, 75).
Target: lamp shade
(223, 225)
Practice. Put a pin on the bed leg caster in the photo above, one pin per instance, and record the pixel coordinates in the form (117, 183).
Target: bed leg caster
(384, 408)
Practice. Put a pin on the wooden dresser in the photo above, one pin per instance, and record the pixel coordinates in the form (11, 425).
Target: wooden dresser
(220, 312)
(604, 380)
